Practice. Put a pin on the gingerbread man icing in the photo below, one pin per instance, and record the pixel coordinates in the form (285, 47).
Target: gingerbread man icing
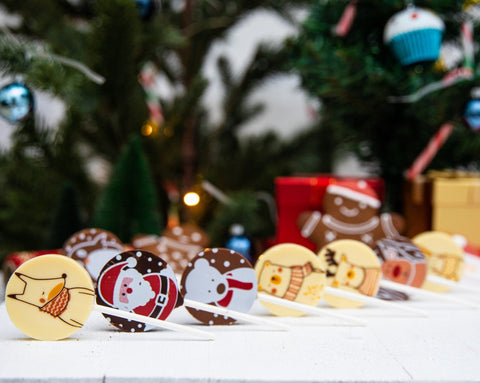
(350, 212)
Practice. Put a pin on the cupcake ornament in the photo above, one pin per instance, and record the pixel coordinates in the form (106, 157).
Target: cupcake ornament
(414, 35)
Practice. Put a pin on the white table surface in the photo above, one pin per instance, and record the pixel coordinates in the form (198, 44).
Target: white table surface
(393, 347)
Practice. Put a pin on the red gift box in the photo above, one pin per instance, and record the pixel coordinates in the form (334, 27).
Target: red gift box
(294, 195)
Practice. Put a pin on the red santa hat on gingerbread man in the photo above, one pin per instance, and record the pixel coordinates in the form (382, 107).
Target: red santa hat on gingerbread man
(355, 190)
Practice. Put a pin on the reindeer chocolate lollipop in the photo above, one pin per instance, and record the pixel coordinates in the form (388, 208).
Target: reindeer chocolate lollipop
(50, 297)
(402, 261)
(92, 248)
(353, 267)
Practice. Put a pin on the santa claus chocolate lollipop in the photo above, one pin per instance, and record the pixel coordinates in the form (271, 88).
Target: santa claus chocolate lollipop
(92, 248)
(50, 297)
(139, 282)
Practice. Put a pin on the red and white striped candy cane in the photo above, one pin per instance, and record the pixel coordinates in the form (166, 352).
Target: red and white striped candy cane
(426, 156)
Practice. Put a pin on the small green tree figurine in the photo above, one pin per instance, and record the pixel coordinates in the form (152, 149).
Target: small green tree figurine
(129, 204)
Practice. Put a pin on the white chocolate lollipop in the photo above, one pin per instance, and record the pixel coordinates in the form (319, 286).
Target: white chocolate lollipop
(50, 297)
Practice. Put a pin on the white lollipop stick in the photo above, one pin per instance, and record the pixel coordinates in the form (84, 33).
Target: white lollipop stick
(153, 321)
(426, 293)
(375, 301)
(307, 308)
(234, 314)
(452, 284)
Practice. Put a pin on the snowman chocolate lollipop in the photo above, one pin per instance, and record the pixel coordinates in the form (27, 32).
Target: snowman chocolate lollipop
(290, 272)
(50, 297)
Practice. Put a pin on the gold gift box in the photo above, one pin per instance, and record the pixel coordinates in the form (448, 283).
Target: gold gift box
(447, 201)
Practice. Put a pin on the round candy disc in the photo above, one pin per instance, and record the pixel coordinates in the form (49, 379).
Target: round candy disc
(139, 282)
(290, 272)
(49, 297)
(92, 248)
(177, 245)
(402, 261)
(444, 257)
(220, 277)
(351, 266)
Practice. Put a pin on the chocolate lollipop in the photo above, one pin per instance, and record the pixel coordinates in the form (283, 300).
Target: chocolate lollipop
(139, 282)
(220, 286)
(50, 297)
(92, 248)
(219, 277)
(353, 276)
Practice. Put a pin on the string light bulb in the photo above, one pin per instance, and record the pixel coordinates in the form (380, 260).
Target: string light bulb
(191, 199)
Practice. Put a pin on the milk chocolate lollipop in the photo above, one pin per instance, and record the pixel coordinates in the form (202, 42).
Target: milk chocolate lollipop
(50, 297)
(219, 277)
(92, 248)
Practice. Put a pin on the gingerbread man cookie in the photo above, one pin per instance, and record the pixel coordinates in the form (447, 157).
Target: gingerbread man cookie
(350, 212)
(177, 245)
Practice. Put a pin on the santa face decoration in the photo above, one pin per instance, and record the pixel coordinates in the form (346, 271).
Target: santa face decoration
(220, 277)
(351, 266)
(291, 272)
(350, 211)
(92, 248)
(139, 282)
(402, 261)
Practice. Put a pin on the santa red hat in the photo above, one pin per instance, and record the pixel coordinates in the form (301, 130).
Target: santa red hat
(355, 190)
(108, 279)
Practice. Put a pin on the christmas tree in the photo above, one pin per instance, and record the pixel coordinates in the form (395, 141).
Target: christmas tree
(128, 205)
(91, 55)
(359, 81)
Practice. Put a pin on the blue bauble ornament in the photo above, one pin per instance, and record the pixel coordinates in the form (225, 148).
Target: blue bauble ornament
(145, 8)
(16, 102)
(472, 115)
(239, 242)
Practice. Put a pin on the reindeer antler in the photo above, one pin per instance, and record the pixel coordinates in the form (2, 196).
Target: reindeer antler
(330, 258)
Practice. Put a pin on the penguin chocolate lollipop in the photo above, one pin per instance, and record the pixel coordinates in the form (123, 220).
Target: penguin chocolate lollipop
(50, 297)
